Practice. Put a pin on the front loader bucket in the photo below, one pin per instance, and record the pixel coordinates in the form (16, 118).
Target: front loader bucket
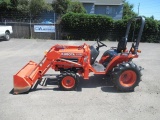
(26, 77)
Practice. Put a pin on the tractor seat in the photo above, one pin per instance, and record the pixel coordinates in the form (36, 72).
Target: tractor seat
(94, 55)
(122, 45)
(111, 53)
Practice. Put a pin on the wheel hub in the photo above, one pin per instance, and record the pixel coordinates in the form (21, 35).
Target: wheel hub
(68, 82)
(128, 78)
(7, 36)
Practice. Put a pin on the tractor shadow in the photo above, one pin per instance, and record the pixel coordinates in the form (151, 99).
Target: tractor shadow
(95, 81)
(98, 81)
(49, 82)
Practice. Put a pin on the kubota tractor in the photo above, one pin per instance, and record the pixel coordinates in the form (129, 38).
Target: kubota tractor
(73, 60)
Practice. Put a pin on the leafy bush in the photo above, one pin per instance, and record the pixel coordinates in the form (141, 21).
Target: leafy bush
(151, 31)
(86, 26)
(90, 27)
(158, 39)
(118, 30)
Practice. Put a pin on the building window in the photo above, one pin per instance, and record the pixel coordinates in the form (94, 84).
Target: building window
(107, 10)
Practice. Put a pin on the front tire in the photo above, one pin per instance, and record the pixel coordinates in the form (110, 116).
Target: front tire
(126, 76)
(7, 36)
(68, 81)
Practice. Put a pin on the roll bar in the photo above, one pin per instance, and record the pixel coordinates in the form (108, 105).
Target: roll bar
(140, 30)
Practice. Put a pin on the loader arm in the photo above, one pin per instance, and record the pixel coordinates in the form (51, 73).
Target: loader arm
(31, 72)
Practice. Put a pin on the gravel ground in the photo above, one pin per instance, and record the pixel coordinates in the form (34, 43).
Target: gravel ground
(97, 99)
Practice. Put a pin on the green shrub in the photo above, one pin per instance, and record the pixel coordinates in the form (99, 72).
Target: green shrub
(158, 38)
(151, 31)
(86, 26)
(90, 27)
(119, 29)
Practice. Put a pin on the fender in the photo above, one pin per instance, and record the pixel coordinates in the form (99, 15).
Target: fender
(119, 59)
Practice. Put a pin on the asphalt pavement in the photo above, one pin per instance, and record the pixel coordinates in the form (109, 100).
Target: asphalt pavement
(97, 99)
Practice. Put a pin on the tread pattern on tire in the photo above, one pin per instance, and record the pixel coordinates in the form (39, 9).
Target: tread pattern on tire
(119, 69)
(64, 74)
(7, 33)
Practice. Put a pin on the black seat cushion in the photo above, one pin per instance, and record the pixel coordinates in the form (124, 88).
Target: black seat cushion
(122, 45)
(93, 55)
(111, 53)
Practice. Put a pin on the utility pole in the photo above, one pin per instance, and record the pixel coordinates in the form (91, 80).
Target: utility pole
(138, 8)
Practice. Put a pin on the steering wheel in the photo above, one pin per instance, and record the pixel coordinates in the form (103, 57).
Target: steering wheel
(100, 44)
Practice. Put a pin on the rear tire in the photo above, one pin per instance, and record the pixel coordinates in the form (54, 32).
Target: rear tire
(7, 36)
(68, 81)
(126, 76)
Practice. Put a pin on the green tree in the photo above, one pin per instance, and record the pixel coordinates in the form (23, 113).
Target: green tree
(60, 6)
(14, 3)
(4, 4)
(76, 7)
(128, 10)
(152, 17)
(8, 4)
(19, 9)
(32, 7)
(37, 6)
(23, 7)
(5, 9)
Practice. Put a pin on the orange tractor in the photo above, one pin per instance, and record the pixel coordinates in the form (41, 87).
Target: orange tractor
(74, 60)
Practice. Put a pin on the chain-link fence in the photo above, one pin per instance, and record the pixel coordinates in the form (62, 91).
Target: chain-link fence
(47, 28)
(39, 28)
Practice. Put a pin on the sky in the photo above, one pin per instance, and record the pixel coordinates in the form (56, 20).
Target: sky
(147, 7)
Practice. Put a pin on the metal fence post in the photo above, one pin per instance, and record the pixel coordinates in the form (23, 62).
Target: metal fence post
(30, 27)
(55, 24)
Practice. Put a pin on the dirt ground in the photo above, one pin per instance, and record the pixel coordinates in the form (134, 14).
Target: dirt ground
(96, 100)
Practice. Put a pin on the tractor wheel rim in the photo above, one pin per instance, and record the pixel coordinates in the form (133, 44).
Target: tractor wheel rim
(68, 82)
(128, 78)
